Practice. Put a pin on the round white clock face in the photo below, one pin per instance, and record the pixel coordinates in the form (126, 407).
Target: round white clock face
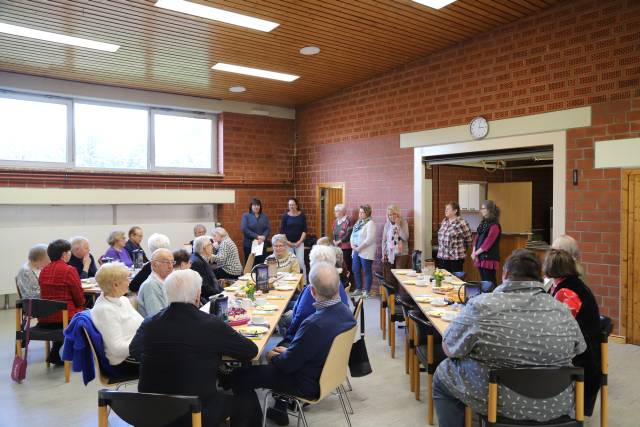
(479, 127)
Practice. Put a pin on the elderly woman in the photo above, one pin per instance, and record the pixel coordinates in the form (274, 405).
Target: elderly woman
(287, 261)
(569, 244)
(255, 227)
(570, 290)
(27, 277)
(202, 252)
(325, 241)
(117, 251)
(226, 256)
(395, 243)
(363, 243)
(342, 228)
(454, 237)
(294, 226)
(486, 244)
(114, 317)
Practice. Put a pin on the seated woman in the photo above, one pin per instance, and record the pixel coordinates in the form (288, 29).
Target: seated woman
(304, 307)
(117, 251)
(202, 251)
(325, 241)
(569, 244)
(181, 258)
(287, 261)
(569, 289)
(27, 277)
(226, 257)
(114, 317)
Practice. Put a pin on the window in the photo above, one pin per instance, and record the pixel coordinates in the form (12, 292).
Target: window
(110, 137)
(48, 131)
(33, 129)
(183, 141)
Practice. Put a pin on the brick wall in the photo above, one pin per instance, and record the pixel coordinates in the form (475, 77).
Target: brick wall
(576, 53)
(257, 153)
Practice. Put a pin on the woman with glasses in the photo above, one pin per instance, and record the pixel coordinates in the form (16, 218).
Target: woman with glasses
(486, 244)
(202, 252)
(287, 262)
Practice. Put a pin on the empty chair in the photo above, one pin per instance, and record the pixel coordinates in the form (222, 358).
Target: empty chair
(249, 264)
(148, 409)
(394, 312)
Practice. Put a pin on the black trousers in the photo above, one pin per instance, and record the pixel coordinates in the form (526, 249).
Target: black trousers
(451, 265)
(240, 408)
(488, 274)
(221, 274)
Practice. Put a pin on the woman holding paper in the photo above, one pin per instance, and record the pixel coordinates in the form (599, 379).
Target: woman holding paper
(255, 228)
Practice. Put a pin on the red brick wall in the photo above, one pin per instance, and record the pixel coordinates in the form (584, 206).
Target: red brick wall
(257, 153)
(577, 53)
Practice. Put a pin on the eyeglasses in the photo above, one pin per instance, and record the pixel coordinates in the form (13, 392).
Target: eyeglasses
(165, 262)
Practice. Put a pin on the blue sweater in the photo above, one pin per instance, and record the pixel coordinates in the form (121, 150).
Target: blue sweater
(305, 357)
(293, 226)
(253, 227)
(304, 308)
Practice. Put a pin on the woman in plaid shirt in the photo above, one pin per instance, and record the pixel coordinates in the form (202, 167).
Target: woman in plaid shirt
(454, 237)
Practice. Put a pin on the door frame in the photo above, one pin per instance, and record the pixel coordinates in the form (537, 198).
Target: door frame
(626, 250)
(319, 187)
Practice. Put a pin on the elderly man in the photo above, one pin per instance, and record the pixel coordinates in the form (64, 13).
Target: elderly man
(518, 324)
(133, 244)
(155, 242)
(81, 259)
(202, 251)
(180, 349)
(226, 256)
(296, 370)
(152, 297)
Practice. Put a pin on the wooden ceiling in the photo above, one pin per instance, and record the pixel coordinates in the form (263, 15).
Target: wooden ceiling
(172, 52)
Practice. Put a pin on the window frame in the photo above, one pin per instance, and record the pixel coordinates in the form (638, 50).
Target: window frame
(70, 163)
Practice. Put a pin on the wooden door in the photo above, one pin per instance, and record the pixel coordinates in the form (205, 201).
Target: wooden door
(630, 254)
(515, 201)
(329, 195)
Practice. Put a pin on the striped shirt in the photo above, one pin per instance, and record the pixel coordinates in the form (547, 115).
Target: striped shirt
(319, 305)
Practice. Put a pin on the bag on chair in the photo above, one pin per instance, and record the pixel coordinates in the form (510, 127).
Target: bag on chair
(359, 365)
(19, 368)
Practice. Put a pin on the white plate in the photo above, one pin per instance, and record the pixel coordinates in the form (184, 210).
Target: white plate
(438, 302)
(267, 307)
(411, 274)
(253, 330)
(449, 316)
(284, 288)
(435, 313)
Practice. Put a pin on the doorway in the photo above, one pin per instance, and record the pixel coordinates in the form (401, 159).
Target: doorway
(329, 195)
(630, 251)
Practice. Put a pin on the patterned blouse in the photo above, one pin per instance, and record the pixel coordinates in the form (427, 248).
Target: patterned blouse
(454, 236)
(27, 281)
(516, 325)
(228, 257)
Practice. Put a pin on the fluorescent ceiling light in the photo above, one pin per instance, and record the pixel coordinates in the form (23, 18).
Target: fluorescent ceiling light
(237, 89)
(56, 38)
(217, 14)
(310, 50)
(435, 4)
(220, 66)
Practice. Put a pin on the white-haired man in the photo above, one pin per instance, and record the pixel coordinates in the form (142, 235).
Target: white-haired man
(152, 297)
(81, 258)
(296, 370)
(180, 348)
(156, 241)
(202, 251)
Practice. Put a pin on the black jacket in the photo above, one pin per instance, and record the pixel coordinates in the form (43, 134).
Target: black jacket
(210, 284)
(180, 348)
(140, 277)
(130, 247)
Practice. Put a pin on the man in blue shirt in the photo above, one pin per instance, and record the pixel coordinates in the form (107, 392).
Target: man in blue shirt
(296, 370)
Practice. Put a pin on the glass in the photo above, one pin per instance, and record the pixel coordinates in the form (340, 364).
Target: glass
(182, 142)
(110, 137)
(33, 131)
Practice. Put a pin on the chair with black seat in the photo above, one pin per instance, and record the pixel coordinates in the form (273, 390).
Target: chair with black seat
(425, 338)
(105, 379)
(42, 308)
(606, 326)
(394, 312)
(148, 409)
(535, 383)
(383, 305)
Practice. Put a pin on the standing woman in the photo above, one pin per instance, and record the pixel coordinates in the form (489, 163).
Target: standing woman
(363, 243)
(294, 226)
(454, 237)
(486, 253)
(342, 229)
(395, 243)
(255, 226)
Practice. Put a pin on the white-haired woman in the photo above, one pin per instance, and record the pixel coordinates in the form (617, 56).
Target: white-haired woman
(117, 251)
(202, 252)
(305, 305)
(27, 277)
(569, 244)
(155, 241)
(287, 262)
(226, 256)
(395, 243)
(114, 317)
(342, 228)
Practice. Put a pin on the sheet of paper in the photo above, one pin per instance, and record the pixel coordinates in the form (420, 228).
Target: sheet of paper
(257, 248)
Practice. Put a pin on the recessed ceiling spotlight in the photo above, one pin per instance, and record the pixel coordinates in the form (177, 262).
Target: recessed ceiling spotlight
(310, 50)
(220, 66)
(56, 38)
(237, 89)
(435, 4)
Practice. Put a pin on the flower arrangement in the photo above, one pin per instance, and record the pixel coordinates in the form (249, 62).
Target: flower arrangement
(250, 290)
(438, 275)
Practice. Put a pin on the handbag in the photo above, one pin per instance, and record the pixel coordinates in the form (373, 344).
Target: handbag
(19, 368)
(359, 365)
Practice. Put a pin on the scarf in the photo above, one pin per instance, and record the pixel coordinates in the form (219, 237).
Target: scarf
(395, 244)
(361, 223)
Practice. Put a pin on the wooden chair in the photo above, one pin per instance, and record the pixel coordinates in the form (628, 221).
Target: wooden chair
(105, 379)
(249, 264)
(42, 308)
(333, 375)
(383, 305)
(148, 409)
(606, 326)
(394, 312)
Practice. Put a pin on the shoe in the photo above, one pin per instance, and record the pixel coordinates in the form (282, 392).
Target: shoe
(356, 292)
(55, 361)
(365, 295)
(278, 413)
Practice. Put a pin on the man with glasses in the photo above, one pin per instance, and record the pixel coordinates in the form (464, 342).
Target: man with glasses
(202, 252)
(151, 296)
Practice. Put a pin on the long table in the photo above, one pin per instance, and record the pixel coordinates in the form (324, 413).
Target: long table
(274, 297)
